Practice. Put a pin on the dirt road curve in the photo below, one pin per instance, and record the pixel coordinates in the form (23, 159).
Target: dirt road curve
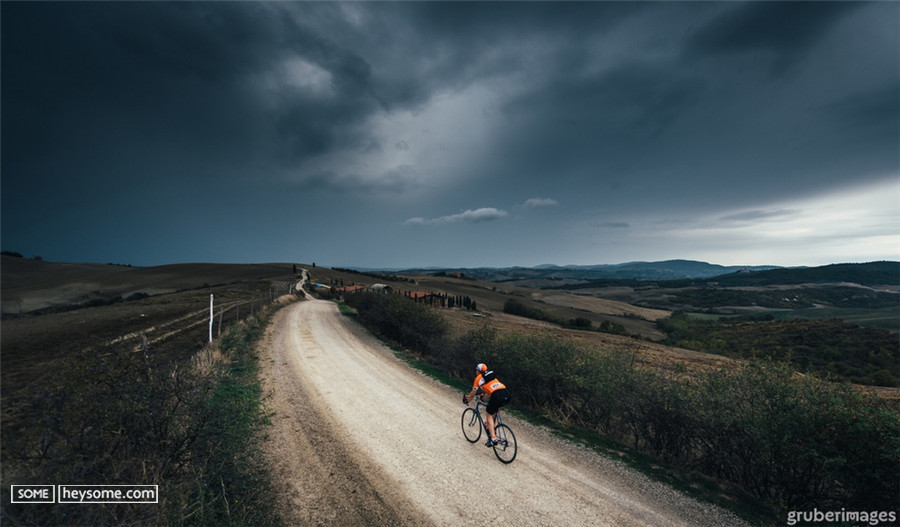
(361, 438)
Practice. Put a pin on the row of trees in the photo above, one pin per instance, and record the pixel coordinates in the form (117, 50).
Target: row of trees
(15, 254)
(429, 298)
(451, 301)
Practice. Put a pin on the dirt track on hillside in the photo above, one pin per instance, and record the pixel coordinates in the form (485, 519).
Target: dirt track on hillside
(358, 437)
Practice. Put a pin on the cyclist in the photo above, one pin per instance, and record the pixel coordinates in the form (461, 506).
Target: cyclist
(487, 384)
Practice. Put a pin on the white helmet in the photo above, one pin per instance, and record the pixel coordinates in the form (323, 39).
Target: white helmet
(481, 368)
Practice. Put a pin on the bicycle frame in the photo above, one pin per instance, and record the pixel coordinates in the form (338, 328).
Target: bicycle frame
(478, 406)
(506, 447)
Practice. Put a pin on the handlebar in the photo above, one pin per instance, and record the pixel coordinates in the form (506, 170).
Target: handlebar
(479, 400)
(479, 396)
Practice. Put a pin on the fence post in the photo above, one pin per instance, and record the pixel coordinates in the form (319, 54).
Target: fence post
(212, 316)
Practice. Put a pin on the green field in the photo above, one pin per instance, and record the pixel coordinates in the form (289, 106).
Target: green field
(884, 318)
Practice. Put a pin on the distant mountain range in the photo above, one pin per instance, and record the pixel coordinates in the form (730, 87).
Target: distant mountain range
(666, 270)
(864, 273)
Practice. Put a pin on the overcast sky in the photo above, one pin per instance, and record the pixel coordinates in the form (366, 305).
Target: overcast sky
(451, 134)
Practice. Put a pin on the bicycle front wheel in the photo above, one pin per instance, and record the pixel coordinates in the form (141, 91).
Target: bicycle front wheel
(471, 425)
(506, 447)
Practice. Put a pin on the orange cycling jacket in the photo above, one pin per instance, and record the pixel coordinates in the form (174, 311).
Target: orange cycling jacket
(488, 383)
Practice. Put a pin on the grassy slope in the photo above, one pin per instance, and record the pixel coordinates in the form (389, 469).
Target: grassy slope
(74, 380)
(29, 285)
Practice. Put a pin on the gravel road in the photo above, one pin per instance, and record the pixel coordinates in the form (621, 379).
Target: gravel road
(360, 438)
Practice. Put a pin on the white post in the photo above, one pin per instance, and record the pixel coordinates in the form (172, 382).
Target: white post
(211, 317)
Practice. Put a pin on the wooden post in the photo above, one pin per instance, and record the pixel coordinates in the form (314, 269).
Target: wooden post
(146, 355)
(212, 316)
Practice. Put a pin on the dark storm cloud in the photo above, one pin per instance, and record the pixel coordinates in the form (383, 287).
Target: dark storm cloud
(670, 122)
(115, 69)
(452, 44)
(601, 113)
(875, 110)
(169, 73)
(636, 108)
(131, 71)
(783, 30)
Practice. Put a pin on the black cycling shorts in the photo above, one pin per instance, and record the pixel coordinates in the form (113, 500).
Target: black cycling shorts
(498, 400)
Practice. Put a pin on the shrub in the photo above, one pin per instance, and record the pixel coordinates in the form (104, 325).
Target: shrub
(126, 417)
(401, 320)
(580, 323)
(825, 347)
(514, 307)
(796, 442)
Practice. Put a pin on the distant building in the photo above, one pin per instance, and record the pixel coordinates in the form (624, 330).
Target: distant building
(382, 288)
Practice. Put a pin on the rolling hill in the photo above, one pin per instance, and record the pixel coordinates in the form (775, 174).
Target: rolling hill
(664, 270)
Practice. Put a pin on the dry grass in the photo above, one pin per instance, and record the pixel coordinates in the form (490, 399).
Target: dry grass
(208, 360)
(173, 324)
(600, 305)
(644, 352)
(30, 285)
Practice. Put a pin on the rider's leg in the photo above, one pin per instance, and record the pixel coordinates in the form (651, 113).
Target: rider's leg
(499, 399)
(490, 425)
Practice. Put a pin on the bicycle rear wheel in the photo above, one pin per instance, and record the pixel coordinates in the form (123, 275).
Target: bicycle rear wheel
(471, 425)
(506, 447)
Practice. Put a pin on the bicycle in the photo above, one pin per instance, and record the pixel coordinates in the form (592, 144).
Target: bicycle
(473, 423)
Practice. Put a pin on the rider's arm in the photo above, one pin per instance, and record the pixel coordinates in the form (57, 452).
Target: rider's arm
(472, 393)
(475, 392)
